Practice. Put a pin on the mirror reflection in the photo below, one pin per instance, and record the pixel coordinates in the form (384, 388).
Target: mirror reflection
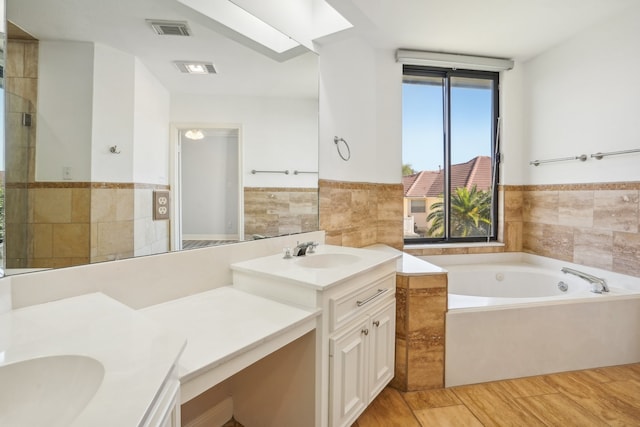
(100, 116)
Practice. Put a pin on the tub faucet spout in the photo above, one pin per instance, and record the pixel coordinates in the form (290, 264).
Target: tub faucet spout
(600, 284)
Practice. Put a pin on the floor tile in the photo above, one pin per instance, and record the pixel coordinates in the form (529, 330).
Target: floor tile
(450, 416)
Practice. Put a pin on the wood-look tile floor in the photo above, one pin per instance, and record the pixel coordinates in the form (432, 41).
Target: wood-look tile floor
(594, 397)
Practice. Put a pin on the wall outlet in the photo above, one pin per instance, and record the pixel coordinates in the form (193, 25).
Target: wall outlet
(161, 205)
(66, 173)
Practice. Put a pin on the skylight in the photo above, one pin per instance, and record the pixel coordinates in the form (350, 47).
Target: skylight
(236, 18)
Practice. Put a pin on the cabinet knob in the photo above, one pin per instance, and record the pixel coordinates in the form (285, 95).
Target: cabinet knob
(376, 323)
(365, 331)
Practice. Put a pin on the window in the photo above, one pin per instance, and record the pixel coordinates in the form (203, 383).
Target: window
(418, 206)
(449, 143)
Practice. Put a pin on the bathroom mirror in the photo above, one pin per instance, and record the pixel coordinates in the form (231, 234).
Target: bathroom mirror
(99, 110)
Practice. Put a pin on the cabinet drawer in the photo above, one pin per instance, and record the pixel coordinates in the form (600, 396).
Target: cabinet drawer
(349, 305)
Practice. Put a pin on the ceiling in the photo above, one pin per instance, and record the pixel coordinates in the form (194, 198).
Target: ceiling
(518, 29)
(122, 25)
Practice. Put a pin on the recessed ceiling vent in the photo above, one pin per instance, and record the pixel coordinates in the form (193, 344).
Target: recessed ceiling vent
(170, 28)
(195, 67)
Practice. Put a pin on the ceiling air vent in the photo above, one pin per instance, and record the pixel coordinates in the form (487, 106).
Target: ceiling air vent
(170, 28)
(195, 67)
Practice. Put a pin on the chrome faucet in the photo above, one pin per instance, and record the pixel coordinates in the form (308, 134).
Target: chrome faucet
(302, 249)
(589, 278)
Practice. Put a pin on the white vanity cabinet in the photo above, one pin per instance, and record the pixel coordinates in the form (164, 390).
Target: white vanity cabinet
(355, 334)
(361, 362)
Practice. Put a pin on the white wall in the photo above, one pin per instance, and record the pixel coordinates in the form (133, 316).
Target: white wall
(512, 136)
(92, 97)
(277, 133)
(112, 119)
(151, 128)
(64, 118)
(360, 101)
(579, 97)
(582, 97)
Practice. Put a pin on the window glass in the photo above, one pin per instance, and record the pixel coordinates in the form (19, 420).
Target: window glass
(471, 146)
(418, 206)
(423, 147)
(449, 122)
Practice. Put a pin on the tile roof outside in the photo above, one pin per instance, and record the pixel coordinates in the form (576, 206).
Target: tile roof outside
(476, 171)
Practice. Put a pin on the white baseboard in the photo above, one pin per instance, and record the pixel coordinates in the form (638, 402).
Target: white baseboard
(215, 416)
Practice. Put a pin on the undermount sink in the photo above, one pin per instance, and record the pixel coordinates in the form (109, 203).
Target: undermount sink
(47, 391)
(327, 260)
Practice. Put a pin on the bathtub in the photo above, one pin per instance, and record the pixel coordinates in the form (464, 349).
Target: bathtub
(508, 318)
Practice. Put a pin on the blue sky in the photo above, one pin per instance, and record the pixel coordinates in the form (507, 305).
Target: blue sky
(422, 125)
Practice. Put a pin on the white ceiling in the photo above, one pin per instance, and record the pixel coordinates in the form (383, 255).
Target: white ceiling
(519, 29)
(516, 29)
(122, 25)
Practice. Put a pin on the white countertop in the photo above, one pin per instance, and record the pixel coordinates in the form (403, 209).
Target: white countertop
(137, 354)
(409, 265)
(227, 329)
(289, 270)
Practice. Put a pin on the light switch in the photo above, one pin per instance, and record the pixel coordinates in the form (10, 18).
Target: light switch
(160, 204)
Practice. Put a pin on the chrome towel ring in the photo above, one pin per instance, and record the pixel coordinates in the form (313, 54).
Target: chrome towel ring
(336, 141)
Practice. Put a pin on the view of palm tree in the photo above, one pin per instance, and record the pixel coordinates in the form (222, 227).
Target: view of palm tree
(470, 214)
(471, 206)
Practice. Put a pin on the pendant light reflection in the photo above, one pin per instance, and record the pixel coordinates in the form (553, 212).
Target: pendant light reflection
(194, 134)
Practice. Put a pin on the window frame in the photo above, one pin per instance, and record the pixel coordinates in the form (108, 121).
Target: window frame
(409, 70)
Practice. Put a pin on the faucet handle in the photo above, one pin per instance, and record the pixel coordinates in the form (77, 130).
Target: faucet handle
(311, 247)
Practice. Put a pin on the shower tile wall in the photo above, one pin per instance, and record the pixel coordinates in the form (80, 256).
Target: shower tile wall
(361, 214)
(21, 79)
(21, 87)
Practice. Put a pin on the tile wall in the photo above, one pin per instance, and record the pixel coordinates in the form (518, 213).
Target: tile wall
(77, 223)
(361, 214)
(112, 212)
(421, 303)
(58, 216)
(279, 211)
(590, 224)
(149, 236)
(21, 93)
(596, 224)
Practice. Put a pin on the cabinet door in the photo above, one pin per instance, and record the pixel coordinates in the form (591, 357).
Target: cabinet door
(348, 358)
(382, 352)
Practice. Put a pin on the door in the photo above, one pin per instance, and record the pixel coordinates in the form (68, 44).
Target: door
(347, 366)
(382, 348)
(207, 182)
